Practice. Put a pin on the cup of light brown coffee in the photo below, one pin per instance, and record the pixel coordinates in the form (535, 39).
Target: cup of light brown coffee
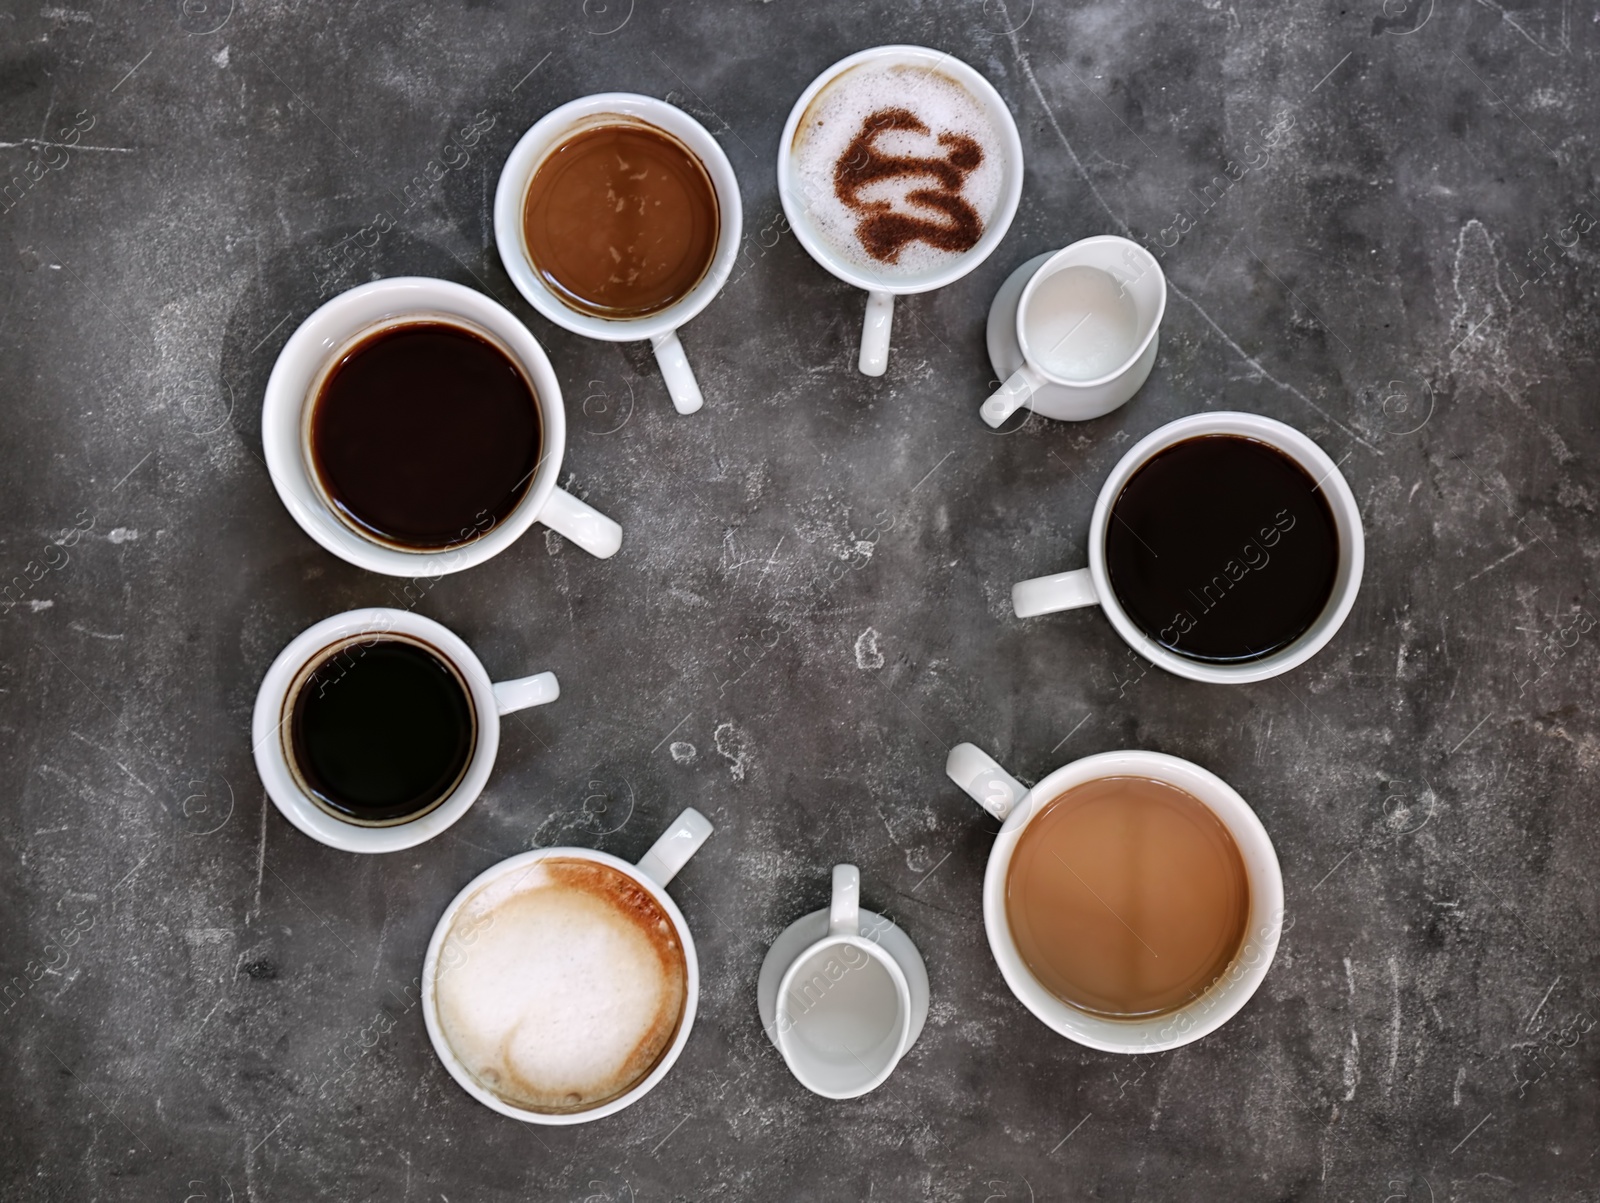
(618, 217)
(1133, 900)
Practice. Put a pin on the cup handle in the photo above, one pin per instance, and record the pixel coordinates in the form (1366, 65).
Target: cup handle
(875, 333)
(582, 523)
(1048, 594)
(1011, 396)
(676, 845)
(523, 692)
(844, 913)
(990, 786)
(682, 387)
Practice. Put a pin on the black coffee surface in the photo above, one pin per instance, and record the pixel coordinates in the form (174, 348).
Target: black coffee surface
(1222, 548)
(425, 435)
(383, 731)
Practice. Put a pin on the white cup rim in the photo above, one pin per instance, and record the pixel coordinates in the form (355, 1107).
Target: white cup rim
(994, 231)
(1341, 502)
(430, 1001)
(1057, 262)
(267, 735)
(301, 363)
(1244, 975)
(530, 151)
(902, 988)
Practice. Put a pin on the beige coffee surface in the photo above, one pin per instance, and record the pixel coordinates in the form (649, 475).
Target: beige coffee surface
(1127, 897)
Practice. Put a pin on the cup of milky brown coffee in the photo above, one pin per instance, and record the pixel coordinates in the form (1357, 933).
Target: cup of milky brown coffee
(618, 217)
(414, 427)
(1224, 547)
(377, 729)
(899, 170)
(1132, 901)
(560, 985)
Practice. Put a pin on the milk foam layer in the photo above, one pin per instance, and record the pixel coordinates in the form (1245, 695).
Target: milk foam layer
(834, 119)
(560, 985)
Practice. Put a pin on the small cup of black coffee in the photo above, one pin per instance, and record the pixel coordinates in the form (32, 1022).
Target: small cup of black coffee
(376, 729)
(1224, 547)
(380, 729)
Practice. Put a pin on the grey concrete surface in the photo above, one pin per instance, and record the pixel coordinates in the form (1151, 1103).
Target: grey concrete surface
(193, 989)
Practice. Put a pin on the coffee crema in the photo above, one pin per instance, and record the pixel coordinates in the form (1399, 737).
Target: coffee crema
(561, 986)
(621, 220)
(425, 435)
(900, 167)
(1127, 897)
(1222, 548)
(380, 731)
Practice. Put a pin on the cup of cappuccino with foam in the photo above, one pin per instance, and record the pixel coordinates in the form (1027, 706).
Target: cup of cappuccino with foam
(561, 984)
(899, 170)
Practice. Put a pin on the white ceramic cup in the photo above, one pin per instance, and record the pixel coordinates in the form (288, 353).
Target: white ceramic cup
(1094, 343)
(1008, 800)
(346, 634)
(660, 329)
(1092, 585)
(655, 869)
(843, 1013)
(318, 345)
(883, 288)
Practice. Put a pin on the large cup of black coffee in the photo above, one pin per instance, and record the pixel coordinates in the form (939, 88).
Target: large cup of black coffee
(1224, 547)
(376, 729)
(415, 427)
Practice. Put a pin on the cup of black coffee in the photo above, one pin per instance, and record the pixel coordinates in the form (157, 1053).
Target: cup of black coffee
(374, 730)
(415, 427)
(1224, 547)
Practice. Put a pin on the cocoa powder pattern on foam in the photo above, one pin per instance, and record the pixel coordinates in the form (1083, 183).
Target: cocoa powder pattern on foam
(882, 230)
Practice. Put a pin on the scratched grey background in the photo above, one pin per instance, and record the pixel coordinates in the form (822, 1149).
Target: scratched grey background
(200, 1003)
